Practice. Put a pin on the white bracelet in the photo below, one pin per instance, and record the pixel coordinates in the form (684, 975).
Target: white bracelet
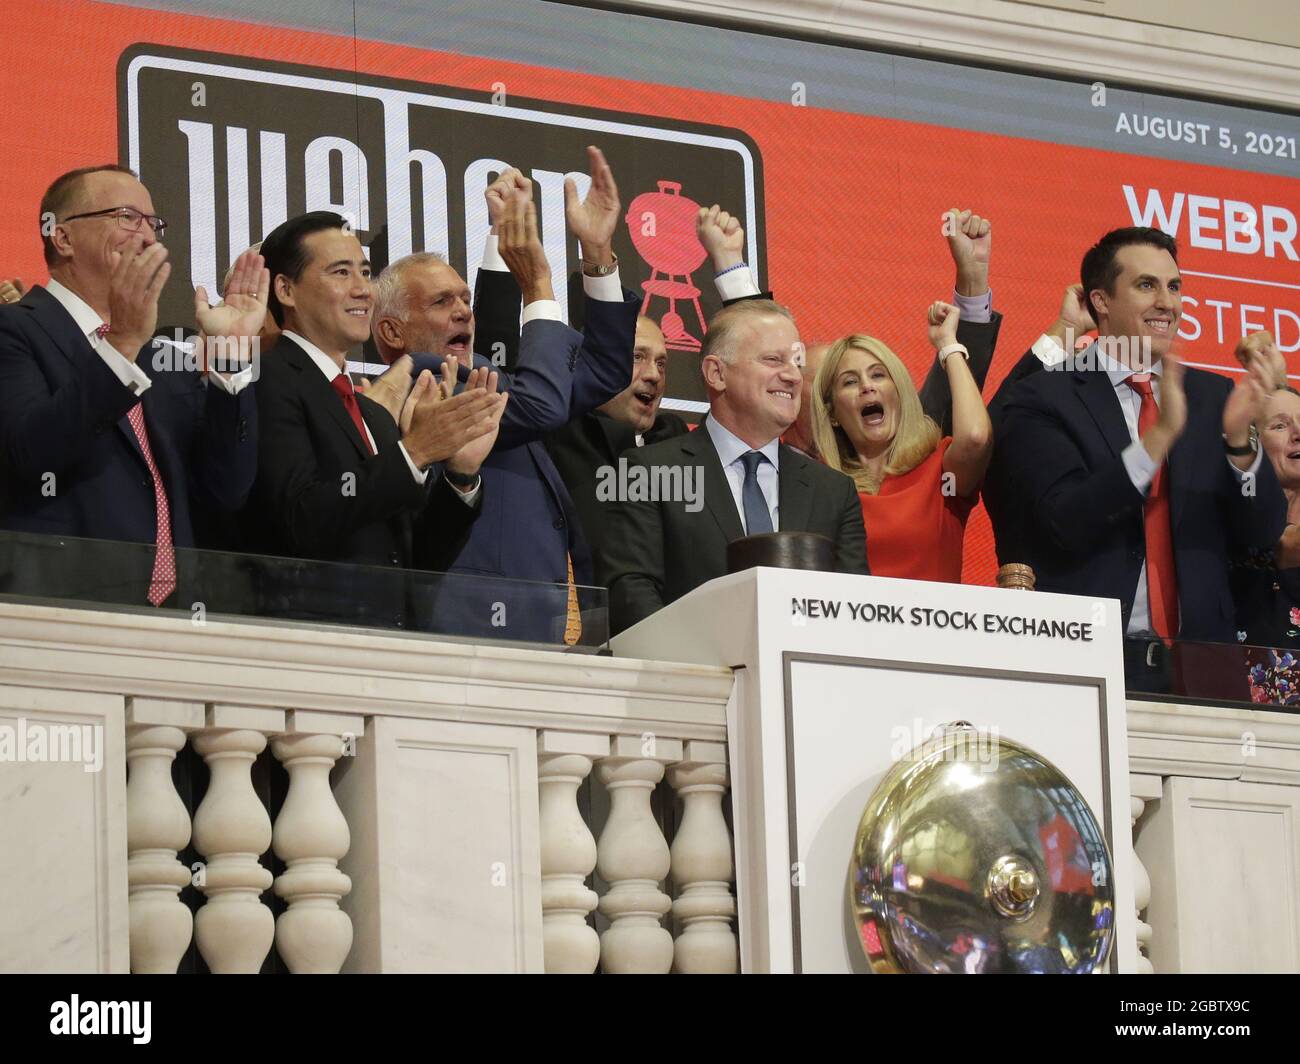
(944, 352)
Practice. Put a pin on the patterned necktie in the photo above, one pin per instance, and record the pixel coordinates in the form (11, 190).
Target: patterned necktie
(758, 518)
(343, 385)
(163, 581)
(1162, 579)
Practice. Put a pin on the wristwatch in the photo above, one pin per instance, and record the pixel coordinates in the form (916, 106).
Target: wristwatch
(1250, 447)
(952, 349)
(464, 481)
(590, 269)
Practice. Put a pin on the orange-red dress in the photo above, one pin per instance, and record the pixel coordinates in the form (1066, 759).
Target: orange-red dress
(914, 529)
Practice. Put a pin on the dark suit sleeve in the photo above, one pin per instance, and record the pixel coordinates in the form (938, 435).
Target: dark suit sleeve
(981, 340)
(630, 559)
(43, 432)
(541, 384)
(851, 541)
(317, 513)
(497, 306)
(225, 458)
(605, 365)
(1065, 500)
(444, 524)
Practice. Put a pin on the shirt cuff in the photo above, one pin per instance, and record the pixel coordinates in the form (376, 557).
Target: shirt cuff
(1242, 474)
(1141, 466)
(1049, 352)
(545, 309)
(977, 309)
(468, 497)
(131, 375)
(608, 289)
(235, 383)
(492, 259)
(421, 475)
(736, 284)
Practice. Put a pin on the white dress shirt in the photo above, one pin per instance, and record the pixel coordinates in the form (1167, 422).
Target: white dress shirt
(128, 372)
(608, 289)
(730, 448)
(331, 370)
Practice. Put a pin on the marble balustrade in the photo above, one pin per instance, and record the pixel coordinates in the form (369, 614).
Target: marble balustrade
(461, 807)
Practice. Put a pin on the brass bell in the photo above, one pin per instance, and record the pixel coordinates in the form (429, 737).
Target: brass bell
(975, 854)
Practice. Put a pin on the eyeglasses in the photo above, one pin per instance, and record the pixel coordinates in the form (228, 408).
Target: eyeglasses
(128, 218)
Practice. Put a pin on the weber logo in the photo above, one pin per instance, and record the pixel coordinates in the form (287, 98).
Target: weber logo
(230, 147)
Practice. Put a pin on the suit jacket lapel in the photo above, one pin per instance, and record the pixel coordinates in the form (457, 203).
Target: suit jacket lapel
(68, 340)
(718, 499)
(319, 392)
(1098, 397)
(794, 492)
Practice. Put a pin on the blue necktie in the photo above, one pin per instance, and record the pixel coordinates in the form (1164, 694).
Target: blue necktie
(757, 516)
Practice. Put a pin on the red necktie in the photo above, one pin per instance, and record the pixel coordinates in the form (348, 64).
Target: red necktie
(163, 581)
(1162, 579)
(343, 385)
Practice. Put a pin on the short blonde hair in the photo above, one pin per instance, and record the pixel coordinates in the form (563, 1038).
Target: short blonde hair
(720, 338)
(915, 439)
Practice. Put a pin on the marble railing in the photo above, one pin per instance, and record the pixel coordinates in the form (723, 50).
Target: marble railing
(446, 806)
(465, 807)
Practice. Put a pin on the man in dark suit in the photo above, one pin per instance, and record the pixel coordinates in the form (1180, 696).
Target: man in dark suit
(339, 479)
(103, 434)
(529, 530)
(730, 478)
(1140, 478)
(587, 447)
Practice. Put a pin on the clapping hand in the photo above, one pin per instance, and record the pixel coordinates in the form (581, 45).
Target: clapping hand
(594, 219)
(1260, 347)
(519, 242)
(244, 310)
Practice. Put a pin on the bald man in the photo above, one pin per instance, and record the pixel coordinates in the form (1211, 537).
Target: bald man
(587, 448)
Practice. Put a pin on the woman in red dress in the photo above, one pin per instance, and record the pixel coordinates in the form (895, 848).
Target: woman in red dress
(917, 488)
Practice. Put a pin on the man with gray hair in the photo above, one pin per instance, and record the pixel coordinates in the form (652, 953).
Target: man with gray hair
(529, 530)
(658, 550)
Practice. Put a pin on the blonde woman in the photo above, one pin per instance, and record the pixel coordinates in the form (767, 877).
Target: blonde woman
(917, 487)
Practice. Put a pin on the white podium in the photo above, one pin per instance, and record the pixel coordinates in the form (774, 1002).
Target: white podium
(839, 676)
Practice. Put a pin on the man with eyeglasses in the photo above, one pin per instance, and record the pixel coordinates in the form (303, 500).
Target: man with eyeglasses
(95, 440)
(744, 480)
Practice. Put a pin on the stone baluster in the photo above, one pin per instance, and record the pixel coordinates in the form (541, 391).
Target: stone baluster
(158, 827)
(702, 865)
(570, 945)
(311, 836)
(1141, 881)
(234, 929)
(632, 857)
